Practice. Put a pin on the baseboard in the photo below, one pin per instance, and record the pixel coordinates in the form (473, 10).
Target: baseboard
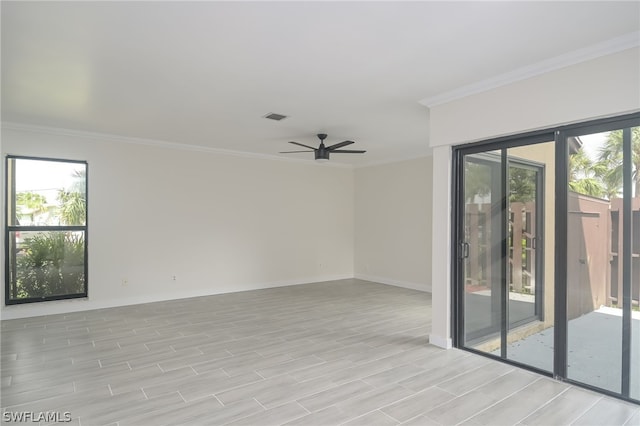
(55, 307)
(397, 283)
(78, 305)
(441, 342)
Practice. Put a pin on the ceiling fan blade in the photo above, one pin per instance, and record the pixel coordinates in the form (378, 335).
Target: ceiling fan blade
(340, 145)
(348, 151)
(291, 152)
(301, 144)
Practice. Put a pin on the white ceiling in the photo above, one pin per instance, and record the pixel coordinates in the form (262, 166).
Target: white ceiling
(205, 73)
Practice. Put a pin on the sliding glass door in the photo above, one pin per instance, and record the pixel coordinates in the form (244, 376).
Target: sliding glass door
(481, 249)
(603, 258)
(500, 253)
(547, 252)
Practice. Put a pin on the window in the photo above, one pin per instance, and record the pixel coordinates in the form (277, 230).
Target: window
(46, 229)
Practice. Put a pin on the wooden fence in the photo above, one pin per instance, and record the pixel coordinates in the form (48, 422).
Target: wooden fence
(593, 258)
(522, 256)
(614, 288)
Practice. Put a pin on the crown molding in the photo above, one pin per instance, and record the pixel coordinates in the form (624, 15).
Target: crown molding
(106, 137)
(615, 45)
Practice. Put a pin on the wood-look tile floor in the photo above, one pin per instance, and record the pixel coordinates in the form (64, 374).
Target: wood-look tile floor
(344, 352)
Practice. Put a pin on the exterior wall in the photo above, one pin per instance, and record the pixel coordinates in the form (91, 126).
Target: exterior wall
(219, 223)
(393, 223)
(545, 154)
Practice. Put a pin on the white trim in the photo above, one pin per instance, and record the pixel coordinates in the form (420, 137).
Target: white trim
(441, 309)
(618, 44)
(56, 131)
(28, 310)
(397, 283)
(441, 342)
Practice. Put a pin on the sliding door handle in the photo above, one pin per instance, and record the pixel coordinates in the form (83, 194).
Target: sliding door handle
(464, 250)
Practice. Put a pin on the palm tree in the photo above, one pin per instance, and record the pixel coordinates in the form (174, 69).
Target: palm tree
(73, 207)
(73, 201)
(79, 181)
(585, 177)
(610, 158)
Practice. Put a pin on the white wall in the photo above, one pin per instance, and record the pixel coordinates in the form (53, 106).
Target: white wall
(607, 86)
(393, 223)
(219, 223)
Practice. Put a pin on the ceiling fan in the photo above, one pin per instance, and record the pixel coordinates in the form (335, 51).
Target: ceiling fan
(322, 152)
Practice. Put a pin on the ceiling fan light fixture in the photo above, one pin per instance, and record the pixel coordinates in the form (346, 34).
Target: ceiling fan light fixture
(321, 155)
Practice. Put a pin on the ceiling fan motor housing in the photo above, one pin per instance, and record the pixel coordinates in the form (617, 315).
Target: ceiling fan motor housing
(321, 153)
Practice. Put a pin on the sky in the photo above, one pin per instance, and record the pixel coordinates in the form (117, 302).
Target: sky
(593, 143)
(45, 177)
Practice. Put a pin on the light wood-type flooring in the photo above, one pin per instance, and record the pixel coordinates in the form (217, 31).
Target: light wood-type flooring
(344, 352)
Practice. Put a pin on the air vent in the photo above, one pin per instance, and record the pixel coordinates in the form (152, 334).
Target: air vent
(274, 116)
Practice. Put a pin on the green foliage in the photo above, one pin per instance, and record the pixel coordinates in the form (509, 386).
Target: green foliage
(477, 181)
(73, 207)
(585, 176)
(603, 178)
(522, 185)
(30, 203)
(51, 263)
(73, 202)
(588, 186)
(610, 159)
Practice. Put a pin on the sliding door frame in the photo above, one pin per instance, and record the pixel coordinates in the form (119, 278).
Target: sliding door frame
(457, 233)
(624, 123)
(558, 135)
(494, 161)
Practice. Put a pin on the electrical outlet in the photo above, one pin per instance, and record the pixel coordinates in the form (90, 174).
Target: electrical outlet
(174, 278)
(125, 282)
